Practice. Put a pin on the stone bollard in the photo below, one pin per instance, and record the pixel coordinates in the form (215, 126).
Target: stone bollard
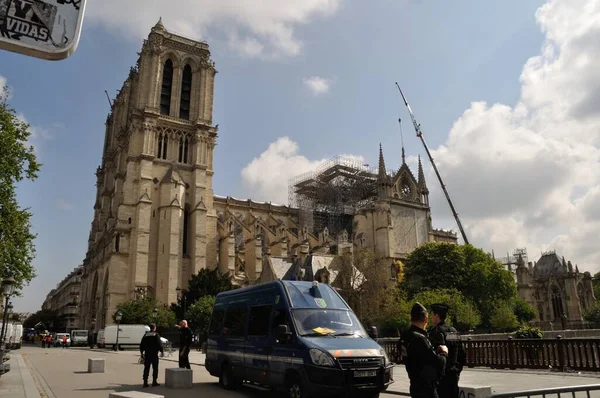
(474, 391)
(95, 365)
(179, 378)
(133, 394)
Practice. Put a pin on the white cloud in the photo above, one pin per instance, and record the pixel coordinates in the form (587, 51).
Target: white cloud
(257, 28)
(317, 85)
(63, 205)
(529, 174)
(266, 177)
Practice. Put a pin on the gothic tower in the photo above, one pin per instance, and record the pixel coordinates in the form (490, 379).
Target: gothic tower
(154, 222)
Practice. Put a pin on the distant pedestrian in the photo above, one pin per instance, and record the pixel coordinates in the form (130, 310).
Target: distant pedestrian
(44, 341)
(150, 346)
(64, 342)
(185, 343)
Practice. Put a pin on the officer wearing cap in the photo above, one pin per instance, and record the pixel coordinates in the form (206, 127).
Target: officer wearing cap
(442, 334)
(424, 362)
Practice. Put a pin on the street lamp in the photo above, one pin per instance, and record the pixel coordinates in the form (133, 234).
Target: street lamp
(118, 318)
(8, 288)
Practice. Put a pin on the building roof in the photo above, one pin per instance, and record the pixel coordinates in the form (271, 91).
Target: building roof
(550, 264)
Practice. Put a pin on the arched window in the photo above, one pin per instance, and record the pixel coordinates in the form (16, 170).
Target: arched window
(186, 227)
(557, 304)
(117, 242)
(184, 148)
(167, 86)
(186, 93)
(162, 144)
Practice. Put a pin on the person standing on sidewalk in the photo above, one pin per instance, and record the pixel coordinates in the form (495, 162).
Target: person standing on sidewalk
(185, 343)
(150, 346)
(443, 334)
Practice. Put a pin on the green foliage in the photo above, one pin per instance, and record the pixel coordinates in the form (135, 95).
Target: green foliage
(596, 285)
(523, 310)
(47, 318)
(529, 332)
(141, 311)
(503, 317)
(395, 314)
(592, 314)
(463, 315)
(17, 162)
(198, 315)
(466, 269)
(207, 282)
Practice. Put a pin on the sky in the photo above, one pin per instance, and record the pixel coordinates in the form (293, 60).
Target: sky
(505, 93)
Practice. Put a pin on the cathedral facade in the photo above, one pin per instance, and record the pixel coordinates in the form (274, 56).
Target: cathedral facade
(157, 221)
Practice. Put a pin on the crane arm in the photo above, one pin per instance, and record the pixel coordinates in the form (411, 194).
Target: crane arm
(417, 127)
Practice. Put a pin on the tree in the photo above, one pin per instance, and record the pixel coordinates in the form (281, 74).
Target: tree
(596, 285)
(41, 320)
(504, 317)
(471, 271)
(523, 310)
(198, 315)
(463, 315)
(141, 311)
(18, 161)
(207, 282)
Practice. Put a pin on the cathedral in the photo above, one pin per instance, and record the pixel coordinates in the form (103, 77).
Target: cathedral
(558, 291)
(157, 221)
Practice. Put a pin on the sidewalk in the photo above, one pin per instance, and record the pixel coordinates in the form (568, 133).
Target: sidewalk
(18, 383)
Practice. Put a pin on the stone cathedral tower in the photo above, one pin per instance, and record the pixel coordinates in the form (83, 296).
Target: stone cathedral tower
(154, 221)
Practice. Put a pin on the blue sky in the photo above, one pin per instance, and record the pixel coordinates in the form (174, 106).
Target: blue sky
(445, 56)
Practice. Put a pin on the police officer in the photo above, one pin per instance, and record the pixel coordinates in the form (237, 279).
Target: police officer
(442, 334)
(424, 363)
(150, 346)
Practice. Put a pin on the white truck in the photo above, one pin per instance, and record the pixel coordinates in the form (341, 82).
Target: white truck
(79, 338)
(17, 336)
(8, 334)
(129, 335)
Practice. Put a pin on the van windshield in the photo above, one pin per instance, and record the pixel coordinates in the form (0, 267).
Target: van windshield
(80, 333)
(311, 322)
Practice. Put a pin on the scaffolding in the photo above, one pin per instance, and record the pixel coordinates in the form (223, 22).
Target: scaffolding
(330, 196)
(511, 261)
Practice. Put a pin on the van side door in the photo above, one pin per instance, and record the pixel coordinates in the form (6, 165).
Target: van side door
(283, 354)
(258, 347)
(233, 340)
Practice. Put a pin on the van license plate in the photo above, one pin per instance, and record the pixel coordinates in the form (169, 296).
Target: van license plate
(365, 373)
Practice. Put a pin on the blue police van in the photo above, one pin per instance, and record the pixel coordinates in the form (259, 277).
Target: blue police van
(298, 337)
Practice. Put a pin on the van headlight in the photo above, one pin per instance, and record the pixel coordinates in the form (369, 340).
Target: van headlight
(386, 360)
(320, 358)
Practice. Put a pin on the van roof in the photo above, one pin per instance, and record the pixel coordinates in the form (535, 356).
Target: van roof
(300, 294)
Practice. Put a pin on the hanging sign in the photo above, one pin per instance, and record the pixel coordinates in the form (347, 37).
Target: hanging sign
(46, 29)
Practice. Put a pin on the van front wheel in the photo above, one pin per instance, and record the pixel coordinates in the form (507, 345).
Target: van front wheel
(227, 379)
(295, 389)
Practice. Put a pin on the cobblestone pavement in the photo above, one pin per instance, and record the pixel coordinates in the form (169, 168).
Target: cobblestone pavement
(63, 374)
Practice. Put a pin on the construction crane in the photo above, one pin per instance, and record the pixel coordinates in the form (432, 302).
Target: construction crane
(420, 135)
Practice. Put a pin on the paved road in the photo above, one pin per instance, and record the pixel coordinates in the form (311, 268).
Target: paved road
(63, 374)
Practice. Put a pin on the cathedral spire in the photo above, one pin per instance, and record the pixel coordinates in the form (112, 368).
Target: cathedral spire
(421, 175)
(159, 25)
(382, 171)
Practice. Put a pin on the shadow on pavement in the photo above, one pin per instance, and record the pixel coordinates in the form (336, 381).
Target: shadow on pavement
(198, 389)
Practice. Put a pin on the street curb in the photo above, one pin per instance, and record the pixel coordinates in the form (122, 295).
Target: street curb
(44, 389)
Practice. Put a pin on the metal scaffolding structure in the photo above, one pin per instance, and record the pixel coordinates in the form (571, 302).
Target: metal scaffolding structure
(510, 261)
(330, 195)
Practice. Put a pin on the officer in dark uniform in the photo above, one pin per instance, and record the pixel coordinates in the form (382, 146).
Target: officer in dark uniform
(442, 334)
(150, 346)
(424, 363)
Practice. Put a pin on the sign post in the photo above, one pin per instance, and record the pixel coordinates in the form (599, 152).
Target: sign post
(46, 29)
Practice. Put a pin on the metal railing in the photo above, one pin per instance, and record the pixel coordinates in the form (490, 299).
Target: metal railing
(556, 354)
(559, 392)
